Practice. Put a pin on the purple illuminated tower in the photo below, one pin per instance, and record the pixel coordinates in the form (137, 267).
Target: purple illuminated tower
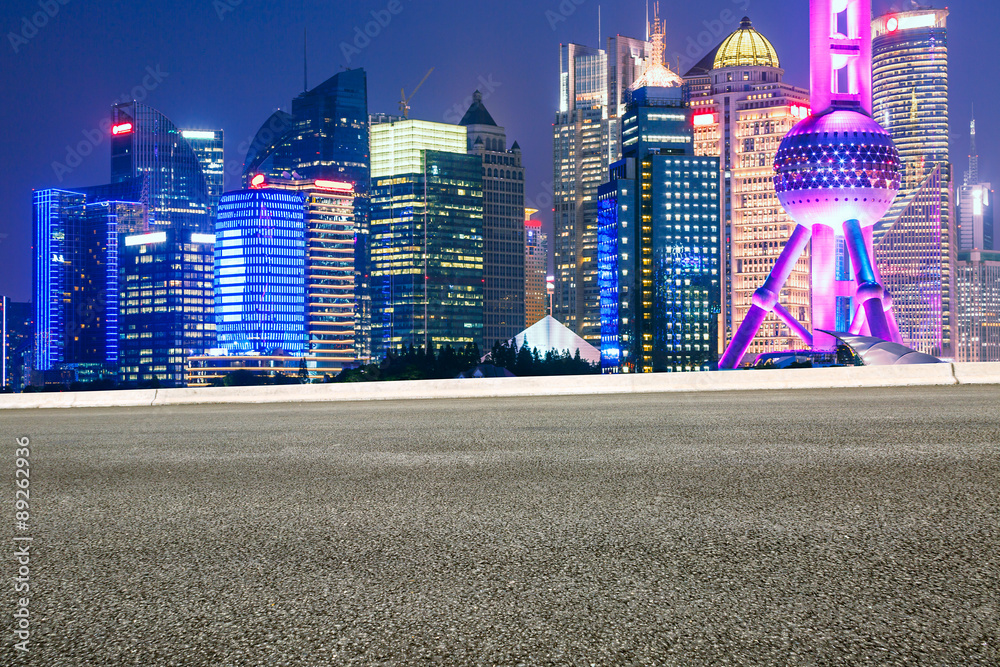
(836, 174)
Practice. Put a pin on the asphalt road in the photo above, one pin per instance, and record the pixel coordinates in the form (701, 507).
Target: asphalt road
(809, 527)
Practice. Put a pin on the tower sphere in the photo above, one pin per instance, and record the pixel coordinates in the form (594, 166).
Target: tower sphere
(837, 166)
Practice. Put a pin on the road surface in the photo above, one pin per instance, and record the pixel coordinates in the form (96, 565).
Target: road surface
(808, 527)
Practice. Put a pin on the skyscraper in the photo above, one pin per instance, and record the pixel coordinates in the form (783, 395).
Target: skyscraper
(977, 291)
(260, 273)
(144, 142)
(742, 110)
(325, 138)
(503, 229)
(166, 304)
(911, 264)
(586, 137)
(166, 297)
(336, 324)
(658, 241)
(976, 213)
(76, 277)
(208, 146)
(536, 264)
(426, 237)
(976, 217)
(910, 99)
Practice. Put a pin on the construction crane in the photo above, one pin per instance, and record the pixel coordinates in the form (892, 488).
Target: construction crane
(404, 101)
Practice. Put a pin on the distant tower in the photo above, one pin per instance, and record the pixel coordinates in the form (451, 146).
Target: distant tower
(836, 173)
(972, 176)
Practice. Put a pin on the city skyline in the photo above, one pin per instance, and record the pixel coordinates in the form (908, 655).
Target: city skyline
(522, 89)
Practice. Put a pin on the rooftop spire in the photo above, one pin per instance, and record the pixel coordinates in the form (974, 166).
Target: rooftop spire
(657, 74)
(972, 176)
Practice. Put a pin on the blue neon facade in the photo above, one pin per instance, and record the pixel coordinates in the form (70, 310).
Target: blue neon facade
(260, 272)
(658, 243)
(76, 283)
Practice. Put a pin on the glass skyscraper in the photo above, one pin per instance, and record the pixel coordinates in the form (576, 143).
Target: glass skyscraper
(586, 139)
(76, 281)
(910, 100)
(144, 142)
(325, 137)
(167, 302)
(659, 261)
(260, 273)
(426, 237)
(337, 308)
(208, 145)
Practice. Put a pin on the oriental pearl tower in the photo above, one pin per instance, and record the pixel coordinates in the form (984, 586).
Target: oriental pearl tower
(836, 173)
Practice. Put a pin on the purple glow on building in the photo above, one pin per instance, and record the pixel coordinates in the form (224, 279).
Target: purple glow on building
(837, 173)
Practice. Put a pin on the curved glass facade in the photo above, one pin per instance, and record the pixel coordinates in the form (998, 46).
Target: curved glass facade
(145, 143)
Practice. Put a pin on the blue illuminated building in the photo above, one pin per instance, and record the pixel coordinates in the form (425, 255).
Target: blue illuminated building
(658, 242)
(326, 137)
(260, 273)
(76, 281)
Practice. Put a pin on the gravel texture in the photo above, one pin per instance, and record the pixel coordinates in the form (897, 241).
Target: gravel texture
(860, 527)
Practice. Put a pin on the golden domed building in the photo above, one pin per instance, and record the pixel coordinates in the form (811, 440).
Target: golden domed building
(742, 110)
(746, 48)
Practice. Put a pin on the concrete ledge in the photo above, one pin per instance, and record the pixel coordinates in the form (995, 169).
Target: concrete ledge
(977, 373)
(811, 378)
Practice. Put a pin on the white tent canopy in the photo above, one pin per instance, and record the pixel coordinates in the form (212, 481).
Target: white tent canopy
(549, 334)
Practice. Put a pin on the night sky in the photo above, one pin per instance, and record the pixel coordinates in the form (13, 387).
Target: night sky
(229, 63)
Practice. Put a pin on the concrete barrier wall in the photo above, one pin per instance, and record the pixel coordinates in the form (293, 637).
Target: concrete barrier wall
(810, 378)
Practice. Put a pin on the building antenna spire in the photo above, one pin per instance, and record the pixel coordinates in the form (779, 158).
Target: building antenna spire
(599, 26)
(305, 60)
(647, 20)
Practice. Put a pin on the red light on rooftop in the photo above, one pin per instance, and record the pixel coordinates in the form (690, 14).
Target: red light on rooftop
(892, 25)
(334, 185)
(257, 181)
(121, 128)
